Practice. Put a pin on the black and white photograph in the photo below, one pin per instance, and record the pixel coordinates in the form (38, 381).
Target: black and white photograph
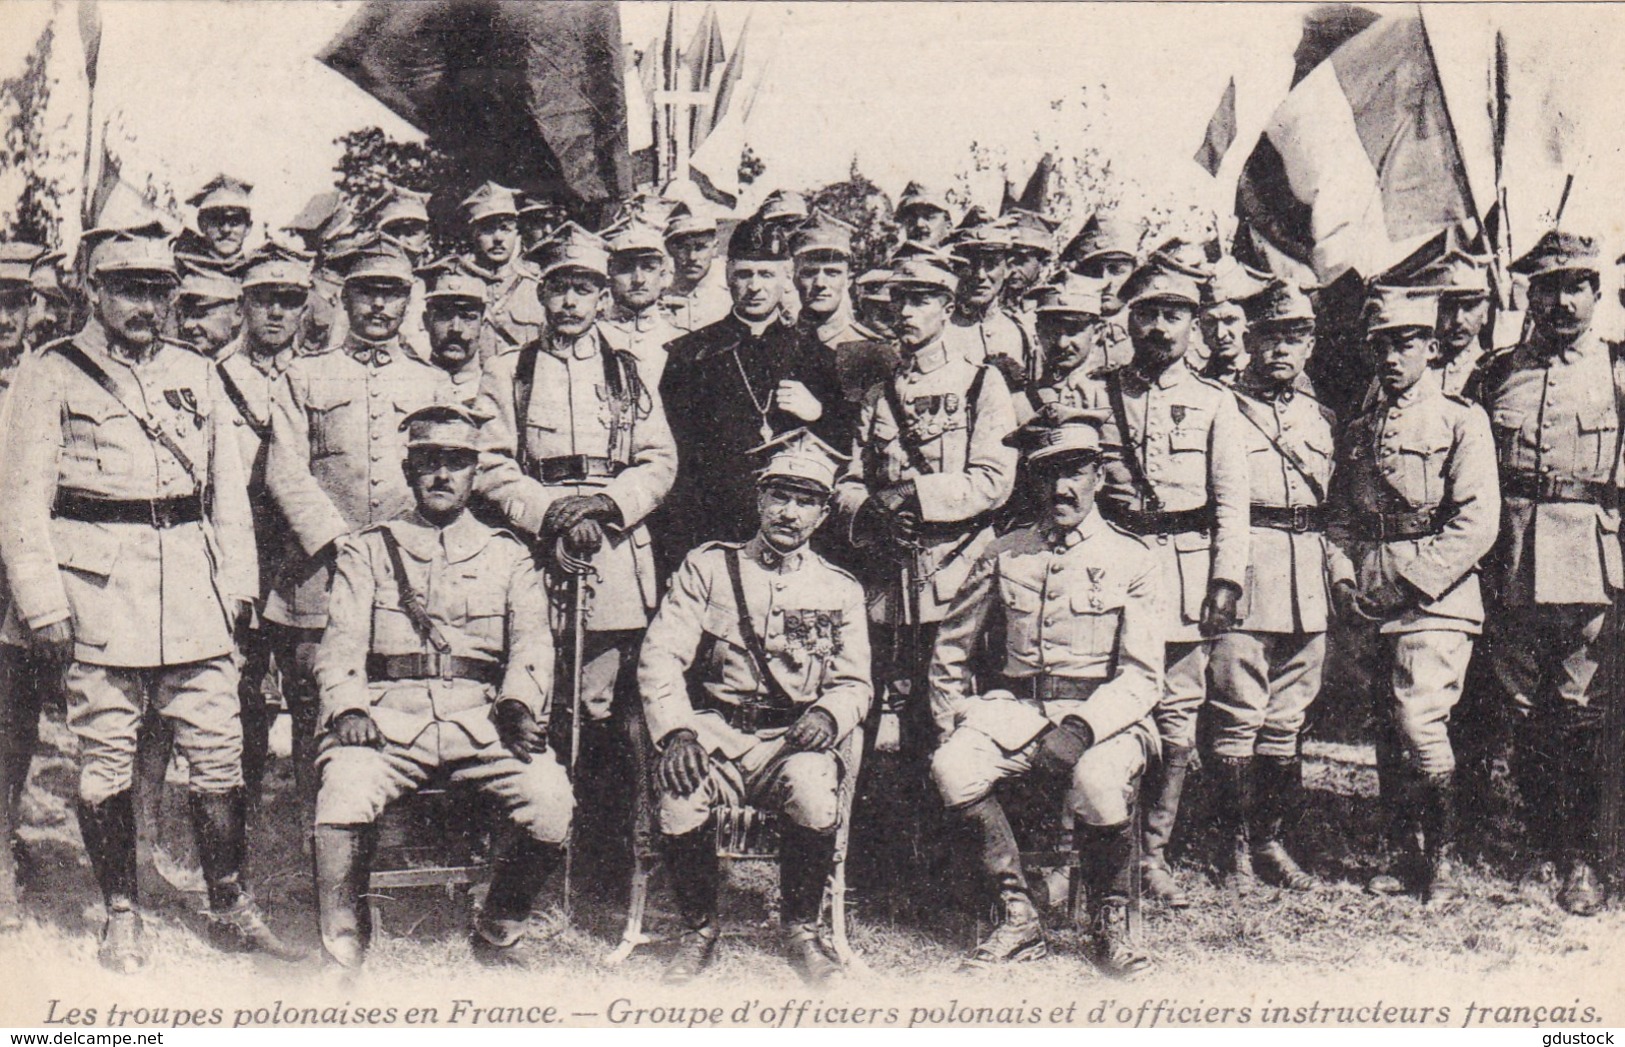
(659, 514)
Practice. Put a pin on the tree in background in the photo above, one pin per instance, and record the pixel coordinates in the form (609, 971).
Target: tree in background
(859, 203)
(372, 161)
(36, 217)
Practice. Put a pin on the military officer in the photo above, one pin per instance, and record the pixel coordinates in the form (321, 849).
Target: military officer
(1465, 311)
(129, 549)
(404, 215)
(1554, 405)
(822, 249)
(224, 218)
(51, 308)
(332, 463)
(453, 318)
(698, 296)
(1179, 481)
(639, 273)
(1080, 666)
(539, 219)
(923, 215)
(754, 669)
(980, 327)
(208, 309)
(872, 305)
(1032, 249)
(437, 657)
(1265, 673)
(783, 212)
(513, 316)
(1067, 326)
(1224, 319)
(16, 297)
(1105, 251)
(1414, 506)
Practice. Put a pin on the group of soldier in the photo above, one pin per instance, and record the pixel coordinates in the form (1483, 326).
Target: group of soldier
(1009, 512)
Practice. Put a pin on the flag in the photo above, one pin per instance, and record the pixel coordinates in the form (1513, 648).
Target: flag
(705, 57)
(531, 95)
(714, 167)
(1221, 132)
(640, 130)
(1359, 163)
(1035, 194)
(90, 40)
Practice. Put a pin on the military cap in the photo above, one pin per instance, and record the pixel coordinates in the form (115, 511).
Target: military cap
(1069, 295)
(401, 205)
(222, 191)
(685, 222)
(800, 459)
(980, 231)
(757, 241)
(17, 261)
(822, 232)
(572, 247)
(916, 249)
(917, 195)
(276, 264)
(45, 277)
(1184, 256)
(1030, 230)
(1156, 282)
(449, 427)
(1103, 235)
(325, 219)
(445, 278)
(1280, 304)
(489, 201)
(635, 236)
(1458, 273)
(380, 258)
(1557, 252)
(1391, 308)
(532, 204)
(1058, 430)
(210, 283)
(1233, 281)
(872, 284)
(931, 271)
(783, 205)
(140, 251)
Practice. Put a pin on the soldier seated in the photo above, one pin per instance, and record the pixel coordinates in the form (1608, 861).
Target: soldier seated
(775, 642)
(437, 657)
(1082, 667)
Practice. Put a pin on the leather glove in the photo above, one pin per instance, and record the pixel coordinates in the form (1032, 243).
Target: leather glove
(1010, 368)
(583, 540)
(563, 515)
(242, 617)
(1219, 609)
(901, 504)
(1062, 746)
(1387, 600)
(1346, 602)
(813, 732)
(356, 727)
(518, 730)
(55, 641)
(684, 763)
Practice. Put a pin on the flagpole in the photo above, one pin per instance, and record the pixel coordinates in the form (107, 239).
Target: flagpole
(1462, 181)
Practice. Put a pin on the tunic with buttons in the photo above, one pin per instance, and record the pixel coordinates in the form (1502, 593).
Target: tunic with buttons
(335, 459)
(995, 334)
(513, 313)
(137, 596)
(970, 470)
(644, 335)
(1556, 418)
(462, 386)
(1076, 390)
(1187, 433)
(707, 303)
(255, 379)
(862, 357)
(1423, 451)
(810, 617)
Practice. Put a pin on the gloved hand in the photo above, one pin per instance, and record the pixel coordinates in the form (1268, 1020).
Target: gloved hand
(1387, 599)
(242, 617)
(518, 730)
(813, 732)
(55, 641)
(901, 504)
(563, 515)
(1015, 376)
(583, 540)
(684, 763)
(1062, 746)
(356, 727)
(1346, 602)
(1219, 609)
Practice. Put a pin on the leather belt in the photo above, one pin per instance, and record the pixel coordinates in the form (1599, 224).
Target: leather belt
(750, 717)
(1050, 688)
(1166, 521)
(152, 512)
(1397, 527)
(433, 666)
(1541, 488)
(574, 468)
(1299, 519)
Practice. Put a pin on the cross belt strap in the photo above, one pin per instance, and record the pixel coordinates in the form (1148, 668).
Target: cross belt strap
(411, 601)
(1149, 498)
(234, 393)
(1293, 458)
(776, 693)
(894, 403)
(76, 356)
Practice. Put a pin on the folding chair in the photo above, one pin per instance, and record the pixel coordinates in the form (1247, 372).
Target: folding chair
(441, 836)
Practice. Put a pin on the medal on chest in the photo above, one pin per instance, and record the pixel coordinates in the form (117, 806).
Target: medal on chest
(812, 633)
(1097, 576)
(186, 401)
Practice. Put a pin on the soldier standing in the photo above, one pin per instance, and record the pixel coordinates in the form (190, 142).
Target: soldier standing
(980, 327)
(1067, 326)
(539, 219)
(1224, 319)
(333, 464)
(1104, 251)
(639, 273)
(130, 552)
(699, 294)
(1032, 249)
(1080, 664)
(822, 249)
(224, 218)
(923, 215)
(51, 308)
(782, 213)
(454, 320)
(1554, 404)
(208, 309)
(1179, 481)
(1267, 671)
(437, 657)
(754, 669)
(513, 317)
(1414, 507)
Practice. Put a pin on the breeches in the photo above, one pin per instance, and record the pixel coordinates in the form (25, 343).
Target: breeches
(1423, 673)
(1263, 685)
(801, 786)
(1184, 686)
(968, 765)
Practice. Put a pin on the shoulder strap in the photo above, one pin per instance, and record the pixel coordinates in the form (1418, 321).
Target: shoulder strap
(747, 631)
(1293, 458)
(76, 356)
(234, 393)
(524, 379)
(972, 396)
(411, 600)
(1131, 454)
(912, 449)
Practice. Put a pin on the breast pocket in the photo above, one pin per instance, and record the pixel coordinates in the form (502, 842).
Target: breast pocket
(483, 616)
(100, 436)
(1416, 470)
(1599, 438)
(1508, 425)
(1023, 606)
(328, 417)
(1095, 622)
(1187, 440)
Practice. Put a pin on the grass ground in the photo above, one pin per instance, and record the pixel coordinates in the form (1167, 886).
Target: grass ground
(1504, 942)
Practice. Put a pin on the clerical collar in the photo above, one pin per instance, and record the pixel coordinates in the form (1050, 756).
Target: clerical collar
(757, 327)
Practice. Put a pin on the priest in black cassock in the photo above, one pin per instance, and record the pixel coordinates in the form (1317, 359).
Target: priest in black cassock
(734, 385)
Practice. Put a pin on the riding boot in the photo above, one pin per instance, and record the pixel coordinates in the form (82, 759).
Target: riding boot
(1237, 799)
(517, 880)
(11, 914)
(1279, 791)
(1583, 892)
(303, 715)
(108, 829)
(805, 858)
(1438, 796)
(1019, 934)
(343, 870)
(1163, 810)
(691, 860)
(235, 922)
(1400, 866)
(1106, 858)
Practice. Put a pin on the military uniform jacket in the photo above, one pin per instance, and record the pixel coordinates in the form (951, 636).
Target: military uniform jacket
(462, 386)
(1186, 432)
(335, 459)
(708, 303)
(809, 615)
(862, 357)
(995, 334)
(645, 336)
(1424, 451)
(970, 470)
(513, 314)
(1082, 605)
(1076, 389)
(1286, 589)
(137, 595)
(1556, 418)
(482, 593)
(574, 412)
(254, 380)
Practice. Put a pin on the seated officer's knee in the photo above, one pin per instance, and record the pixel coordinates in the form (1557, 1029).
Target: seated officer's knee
(356, 785)
(958, 771)
(1105, 780)
(544, 804)
(810, 783)
(679, 815)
